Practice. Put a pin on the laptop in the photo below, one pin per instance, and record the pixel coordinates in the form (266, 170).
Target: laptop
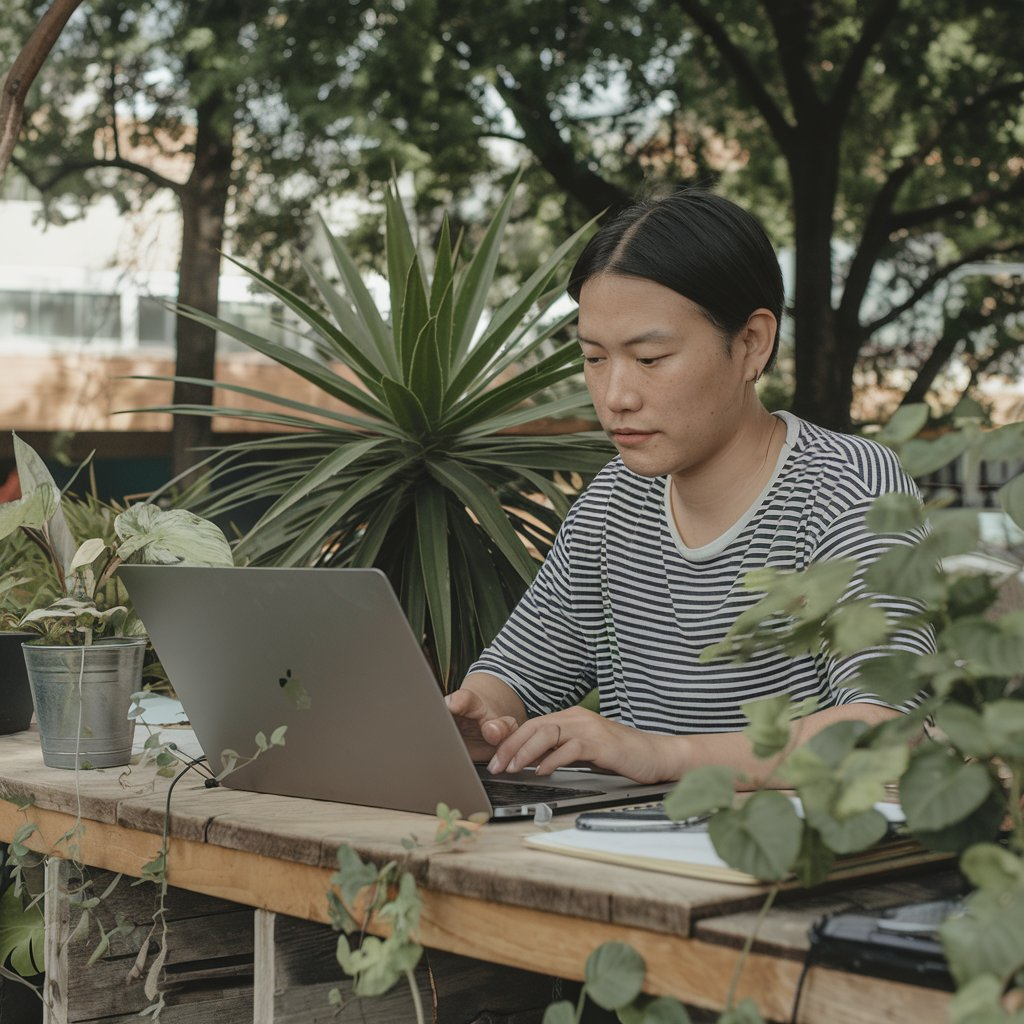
(330, 654)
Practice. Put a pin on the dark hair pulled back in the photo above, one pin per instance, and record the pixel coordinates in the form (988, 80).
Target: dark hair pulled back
(702, 246)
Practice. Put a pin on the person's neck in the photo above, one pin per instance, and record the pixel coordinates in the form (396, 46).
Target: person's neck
(708, 499)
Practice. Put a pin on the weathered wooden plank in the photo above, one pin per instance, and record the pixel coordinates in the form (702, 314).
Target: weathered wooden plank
(56, 915)
(297, 968)
(207, 973)
(97, 794)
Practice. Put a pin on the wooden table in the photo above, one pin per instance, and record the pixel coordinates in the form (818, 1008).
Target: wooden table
(491, 900)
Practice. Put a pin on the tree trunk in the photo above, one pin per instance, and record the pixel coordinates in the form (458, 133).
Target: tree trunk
(203, 203)
(824, 390)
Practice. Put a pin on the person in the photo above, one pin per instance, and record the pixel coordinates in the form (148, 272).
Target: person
(680, 301)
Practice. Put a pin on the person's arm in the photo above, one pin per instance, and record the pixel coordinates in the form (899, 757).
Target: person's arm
(555, 740)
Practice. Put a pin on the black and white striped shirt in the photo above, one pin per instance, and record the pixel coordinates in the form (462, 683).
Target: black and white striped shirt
(622, 604)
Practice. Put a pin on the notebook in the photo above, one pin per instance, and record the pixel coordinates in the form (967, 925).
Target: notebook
(329, 654)
(691, 852)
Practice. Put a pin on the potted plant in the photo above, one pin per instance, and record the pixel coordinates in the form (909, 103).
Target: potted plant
(85, 660)
(452, 467)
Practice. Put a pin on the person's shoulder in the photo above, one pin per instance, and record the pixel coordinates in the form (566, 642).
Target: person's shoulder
(849, 460)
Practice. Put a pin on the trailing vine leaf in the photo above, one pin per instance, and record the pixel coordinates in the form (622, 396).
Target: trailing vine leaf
(905, 423)
(895, 513)
(892, 676)
(761, 837)
(376, 965)
(979, 1001)
(560, 1012)
(864, 774)
(920, 457)
(992, 648)
(745, 1012)
(768, 727)
(848, 834)
(988, 937)
(965, 729)
(705, 789)
(939, 790)
(1011, 499)
(614, 975)
(980, 826)
(814, 860)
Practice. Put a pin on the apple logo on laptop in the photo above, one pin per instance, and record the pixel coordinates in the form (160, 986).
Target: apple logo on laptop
(294, 691)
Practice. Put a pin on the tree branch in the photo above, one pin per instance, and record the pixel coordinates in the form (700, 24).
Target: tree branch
(77, 166)
(880, 221)
(790, 23)
(746, 77)
(875, 26)
(940, 211)
(940, 274)
(23, 73)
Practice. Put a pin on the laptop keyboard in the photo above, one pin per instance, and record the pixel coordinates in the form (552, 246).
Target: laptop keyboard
(511, 794)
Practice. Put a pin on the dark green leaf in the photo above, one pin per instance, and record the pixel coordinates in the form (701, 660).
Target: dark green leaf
(663, 1010)
(938, 790)
(1011, 499)
(614, 975)
(761, 837)
(985, 646)
(988, 937)
(768, 729)
(474, 283)
(906, 422)
(704, 789)
(480, 499)
(980, 826)
(561, 1012)
(988, 866)
(965, 729)
(814, 860)
(432, 541)
(1003, 443)
(920, 457)
(744, 1012)
(848, 834)
(895, 513)
(892, 677)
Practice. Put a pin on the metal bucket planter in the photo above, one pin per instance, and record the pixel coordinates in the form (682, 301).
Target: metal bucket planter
(15, 695)
(82, 696)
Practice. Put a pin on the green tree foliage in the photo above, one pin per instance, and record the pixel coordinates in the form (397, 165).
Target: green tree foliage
(881, 141)
(211, 102)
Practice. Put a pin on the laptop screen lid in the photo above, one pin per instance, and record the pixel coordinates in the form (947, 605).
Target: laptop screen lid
(329, 654)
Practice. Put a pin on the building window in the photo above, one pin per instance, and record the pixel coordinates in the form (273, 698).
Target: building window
(60, 316)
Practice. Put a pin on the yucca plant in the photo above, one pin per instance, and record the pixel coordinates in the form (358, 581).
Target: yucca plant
(433, 476)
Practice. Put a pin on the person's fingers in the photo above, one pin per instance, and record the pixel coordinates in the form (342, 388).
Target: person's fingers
(497, 730)
(568, 753)
(525, 747)
(465, 704)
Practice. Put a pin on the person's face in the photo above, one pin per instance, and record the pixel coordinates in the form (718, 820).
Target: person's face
(668, 389)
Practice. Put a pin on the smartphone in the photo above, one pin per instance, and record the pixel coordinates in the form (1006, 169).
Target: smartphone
(649, 818)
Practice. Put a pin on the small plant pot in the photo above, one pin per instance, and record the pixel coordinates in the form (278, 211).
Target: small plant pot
(15, 695)
(82, 696)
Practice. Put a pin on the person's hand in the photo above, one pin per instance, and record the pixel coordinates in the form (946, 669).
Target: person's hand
(482, 728)
(566, 737)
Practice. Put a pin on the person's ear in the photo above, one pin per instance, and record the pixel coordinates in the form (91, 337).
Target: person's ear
(757, 336)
